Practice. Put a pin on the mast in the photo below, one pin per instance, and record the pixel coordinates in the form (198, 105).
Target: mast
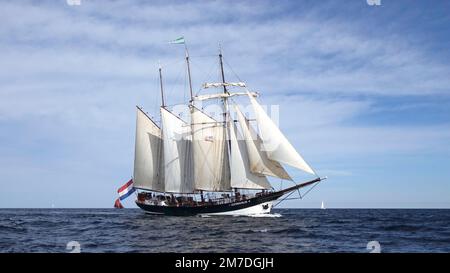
(180, 41)
(225, 106)
(191, 101)
(163, 105)
(161, 85)
(221, 70)
(225, 91)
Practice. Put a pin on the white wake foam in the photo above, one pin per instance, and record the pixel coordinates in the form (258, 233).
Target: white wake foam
(268, 215)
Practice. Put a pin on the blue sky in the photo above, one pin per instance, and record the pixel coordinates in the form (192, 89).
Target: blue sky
(364, 91)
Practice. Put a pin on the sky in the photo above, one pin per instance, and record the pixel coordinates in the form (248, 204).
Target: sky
(363, 92)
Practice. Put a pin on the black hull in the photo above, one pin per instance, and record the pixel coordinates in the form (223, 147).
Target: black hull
(219, 208)
(208, 209)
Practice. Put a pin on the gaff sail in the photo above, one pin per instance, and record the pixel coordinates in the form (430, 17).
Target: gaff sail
(211, 163)
(148, 167)
(177, 154)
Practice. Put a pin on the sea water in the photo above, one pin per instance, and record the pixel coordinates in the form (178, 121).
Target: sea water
(286, 230)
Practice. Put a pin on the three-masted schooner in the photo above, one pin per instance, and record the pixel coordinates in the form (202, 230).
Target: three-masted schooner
(210, 166)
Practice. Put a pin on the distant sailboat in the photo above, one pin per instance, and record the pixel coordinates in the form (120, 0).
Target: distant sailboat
(322, 206)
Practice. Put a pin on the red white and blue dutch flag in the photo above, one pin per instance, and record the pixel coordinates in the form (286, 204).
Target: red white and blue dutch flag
(126, 190)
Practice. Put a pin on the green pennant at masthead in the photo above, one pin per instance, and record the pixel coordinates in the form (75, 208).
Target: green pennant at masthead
(177, 41)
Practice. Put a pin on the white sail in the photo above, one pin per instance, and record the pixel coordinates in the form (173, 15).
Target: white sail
(257, 157)
(148, 172)
(177, 154)
(275, 143)
(241, 177)
(211, 164)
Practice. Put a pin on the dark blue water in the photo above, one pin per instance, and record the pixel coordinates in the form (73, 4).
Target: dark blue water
(296, 230)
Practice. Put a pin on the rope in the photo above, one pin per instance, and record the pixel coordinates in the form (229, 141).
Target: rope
(311, 188)
(283, 198)
(300, 195)
(202, 56)
(178, 79)
(229, 66)
(208, 75)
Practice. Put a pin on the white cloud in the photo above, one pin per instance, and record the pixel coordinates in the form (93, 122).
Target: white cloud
(299, 53)
(89, 57)
(78, 72)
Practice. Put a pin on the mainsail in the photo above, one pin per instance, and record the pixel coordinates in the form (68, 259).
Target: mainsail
(241, 177)
(275, 143)
(211, 164)
(257, 157)
(177, 154)
(148, 172)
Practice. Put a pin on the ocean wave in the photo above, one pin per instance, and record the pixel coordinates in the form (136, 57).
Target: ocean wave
(12, 228)
(403, 228)
(296, 231)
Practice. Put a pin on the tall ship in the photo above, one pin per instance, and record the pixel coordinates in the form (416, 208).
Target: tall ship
(213, 166)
